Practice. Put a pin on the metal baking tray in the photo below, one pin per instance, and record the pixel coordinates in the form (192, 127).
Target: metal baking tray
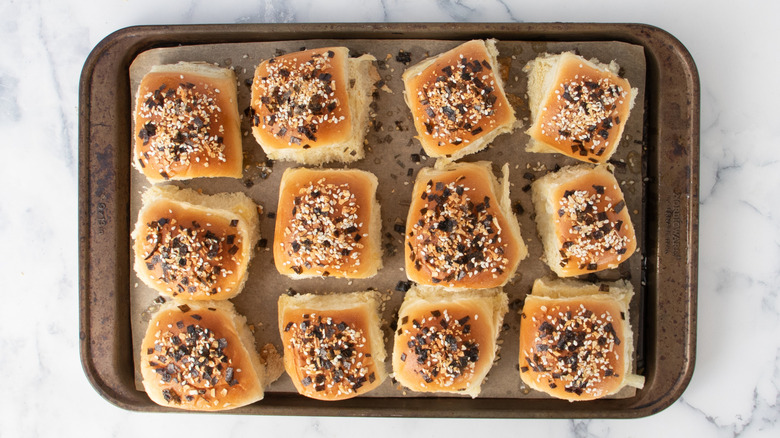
(667, 329)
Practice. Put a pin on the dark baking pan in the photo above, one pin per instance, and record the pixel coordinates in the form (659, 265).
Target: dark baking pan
(667, 330)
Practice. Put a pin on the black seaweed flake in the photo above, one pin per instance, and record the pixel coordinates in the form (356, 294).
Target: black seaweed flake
(403, 57)
(403, 286)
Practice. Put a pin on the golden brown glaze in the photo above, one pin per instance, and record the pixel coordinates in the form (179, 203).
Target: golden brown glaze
(584, 112)
(324, 224)
(457, 100)
(300, 100)
(328, 352)
(592, 224)
(456, 234)
(192, 358)
(443, 347)
(573, 348)
(186, 126)
(188, 253)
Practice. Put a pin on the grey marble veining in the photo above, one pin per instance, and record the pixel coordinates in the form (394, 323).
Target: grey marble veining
(735, 389)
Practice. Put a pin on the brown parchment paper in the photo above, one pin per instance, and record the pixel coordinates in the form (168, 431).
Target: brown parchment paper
(391, 144)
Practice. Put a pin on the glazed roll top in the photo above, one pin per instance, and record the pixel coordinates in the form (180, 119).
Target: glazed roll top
(446, 341)
(583, 220)
(578, 107)
(460, 231)
(328, 223)
(194, 246)
(312, 106)
(201, 356)
(576, 341)
(457, 100)
(334, 348)
(187, 124)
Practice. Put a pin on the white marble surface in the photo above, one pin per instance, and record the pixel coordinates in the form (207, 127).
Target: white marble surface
(736, 387)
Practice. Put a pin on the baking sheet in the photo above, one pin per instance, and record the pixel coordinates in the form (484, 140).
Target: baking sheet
(389, 156)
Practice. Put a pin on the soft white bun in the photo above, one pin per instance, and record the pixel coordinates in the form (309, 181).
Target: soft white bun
(576, 341)
(583, 220)
(232, 373)
(473, 256)
(444, 129)
(328, 223)
(190, 235)
(558, 86)
(186, 123)
(346, 328)
(446, 341)
(336, 94)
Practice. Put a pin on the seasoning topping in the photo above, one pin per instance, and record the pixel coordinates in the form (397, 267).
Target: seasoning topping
(576, 348)
(325, 230)
(187, 256)
(443, 347)
(461, 96)
(594, 232)
(587, 115)
(456, 238)
(298, 93)
(332, 354)
(191, 362)
(183, 125)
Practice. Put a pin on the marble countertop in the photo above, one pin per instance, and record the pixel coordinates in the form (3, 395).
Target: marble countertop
(735, 389)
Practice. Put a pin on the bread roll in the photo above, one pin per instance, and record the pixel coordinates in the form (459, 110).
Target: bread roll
(446, 341)
(194, 246)
(333, 344)
(576, 341)
(578, 107)
(460, 231)
(186, 123)
(312, 106)
(457, 100)
(328, 223)
(582, 219)
(200, 356)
